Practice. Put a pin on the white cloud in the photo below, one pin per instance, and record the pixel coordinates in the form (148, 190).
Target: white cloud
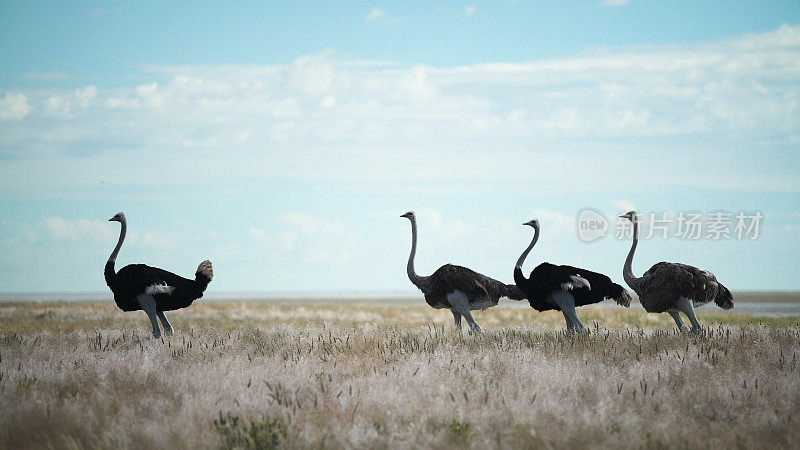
(303, 222)
(58, 106)
(14, 106)
(786, 37)
(85, 95)
(323, 241)
(624, 205)
(431, 217)
(312, 75)
(556, 221)
(274, 244)
(159, 240)
(470, 10)
(60, 228)
(375, 14)
(151, 95)
(613, 3)
(580, 121)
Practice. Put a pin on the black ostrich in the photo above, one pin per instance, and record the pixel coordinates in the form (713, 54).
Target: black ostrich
(565, 287)
(153, 290)
(457, 288)
(674, 287)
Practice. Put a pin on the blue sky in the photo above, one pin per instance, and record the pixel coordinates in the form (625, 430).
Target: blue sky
(282, 140)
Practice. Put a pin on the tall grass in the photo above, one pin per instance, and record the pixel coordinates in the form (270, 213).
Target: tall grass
(264, 375)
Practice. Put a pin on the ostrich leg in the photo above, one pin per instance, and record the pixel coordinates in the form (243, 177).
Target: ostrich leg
(460, 302)
(164, 322)
(566, 302)
(457, 319)
(148, 304)
(568, 320)
(685, 305)
(677, 317)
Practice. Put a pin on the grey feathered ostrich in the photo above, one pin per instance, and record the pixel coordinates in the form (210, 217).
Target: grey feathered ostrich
(153, 290)
(565, 287)
(674, 287)
(457, 288)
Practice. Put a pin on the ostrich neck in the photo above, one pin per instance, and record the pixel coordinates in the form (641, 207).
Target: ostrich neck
(412, 274)
(122, 232)
(627, 270)
(109, 272)
(524, 255)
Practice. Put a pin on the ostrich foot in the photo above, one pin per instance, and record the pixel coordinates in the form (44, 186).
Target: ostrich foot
(577, 331)
(476, 330)
(164, 322)
(578, 328)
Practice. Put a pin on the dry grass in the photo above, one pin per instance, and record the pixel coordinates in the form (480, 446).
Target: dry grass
(336, 375)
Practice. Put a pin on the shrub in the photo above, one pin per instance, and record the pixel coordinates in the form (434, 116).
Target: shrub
(254, 434)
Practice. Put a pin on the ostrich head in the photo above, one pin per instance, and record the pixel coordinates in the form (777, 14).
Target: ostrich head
(630, 215)
(119, 217)
(409, 215)
(532, 223)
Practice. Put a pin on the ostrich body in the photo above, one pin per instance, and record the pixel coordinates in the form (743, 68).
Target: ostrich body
(674, 287)
(457, 288)
(153, 290)
(565, 287)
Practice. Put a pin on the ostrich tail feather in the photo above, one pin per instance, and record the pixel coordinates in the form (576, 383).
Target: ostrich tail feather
(624, 299)
(514, 293)
(724, 298)
(205, 269)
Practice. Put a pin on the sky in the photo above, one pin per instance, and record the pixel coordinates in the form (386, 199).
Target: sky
(283, 140)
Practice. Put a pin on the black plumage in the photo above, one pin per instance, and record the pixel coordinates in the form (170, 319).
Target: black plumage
(132, 280)
(153, 290)
(546, 278)
(563, 288)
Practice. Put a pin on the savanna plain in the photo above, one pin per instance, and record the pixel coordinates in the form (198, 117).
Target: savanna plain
(357, 374)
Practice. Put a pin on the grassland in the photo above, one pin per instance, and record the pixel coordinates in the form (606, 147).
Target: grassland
(392, 374)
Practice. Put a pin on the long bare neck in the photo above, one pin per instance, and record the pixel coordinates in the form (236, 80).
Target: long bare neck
(412, 274)
(627, 269)
(109, 272)
(524, 255)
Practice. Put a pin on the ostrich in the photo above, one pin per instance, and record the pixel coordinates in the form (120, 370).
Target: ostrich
(674, 287)
(457, 288)
(153, 290)
(565, 287)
